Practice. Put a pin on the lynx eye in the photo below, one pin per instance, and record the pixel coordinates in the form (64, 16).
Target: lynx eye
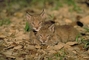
(33, 23)
(40, 23)
(48, 35)
(40, 36)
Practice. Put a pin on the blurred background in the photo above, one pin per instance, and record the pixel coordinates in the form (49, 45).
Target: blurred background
(18, 8)
(12, 6)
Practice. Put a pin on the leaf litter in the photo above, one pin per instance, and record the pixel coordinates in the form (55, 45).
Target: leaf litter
(14, 40)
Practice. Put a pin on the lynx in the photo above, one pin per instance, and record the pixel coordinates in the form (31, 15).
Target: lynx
(55, 34)
(46, 35)
(33, 33)
(66, 33)
(36, 20)
(33, 40)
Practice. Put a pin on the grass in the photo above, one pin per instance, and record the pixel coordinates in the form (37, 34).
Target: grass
(27, 27)
(77, 37)
(77, 8)
(74, 4)
(15, 5)
(61, 55)
(86, 42)
(58, 4)
(87, 29)
(41, 3)
(69, 2)
(11, 2)
(83, 41)
(5, 21)
(86, 45)
(49, 58)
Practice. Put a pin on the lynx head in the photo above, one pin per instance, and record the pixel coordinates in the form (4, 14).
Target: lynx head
(44, 34)
(35, 21)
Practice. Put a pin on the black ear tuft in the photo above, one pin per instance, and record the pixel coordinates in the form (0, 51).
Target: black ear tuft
(51, 28)
(83, 34)
(87, 3)
(79, 23)
(52, 22)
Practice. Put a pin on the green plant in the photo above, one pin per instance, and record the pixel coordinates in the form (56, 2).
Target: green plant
(1, 22)
(74, 4)
(86, 45)
(5, 21)
(49, 58)
(76, 8)
(37, 2)
(83, 41)
(58, 4)
(60, 55)
(27, 27)
(70, 2)
(87, 29)
(77, 37)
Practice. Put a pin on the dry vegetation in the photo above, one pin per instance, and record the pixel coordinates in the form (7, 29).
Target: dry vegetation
(14, 30)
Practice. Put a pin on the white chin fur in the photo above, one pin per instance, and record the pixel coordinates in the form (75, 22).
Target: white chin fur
(36, 29)
(43, 43)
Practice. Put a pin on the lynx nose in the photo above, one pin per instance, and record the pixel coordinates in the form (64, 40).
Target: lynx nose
(43, 43)
(37, 28)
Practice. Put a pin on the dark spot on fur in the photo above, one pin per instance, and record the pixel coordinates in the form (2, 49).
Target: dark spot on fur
(35, 32)
(79, 23)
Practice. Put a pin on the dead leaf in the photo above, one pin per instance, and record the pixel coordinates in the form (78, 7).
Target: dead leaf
(8, 53)
(38, 46)
(50, 48)
(52, 52)
(17, 47)
(18, 14)
(59, 46)
(71, 43)
(2, 36)
(30, 47)
(19, 58)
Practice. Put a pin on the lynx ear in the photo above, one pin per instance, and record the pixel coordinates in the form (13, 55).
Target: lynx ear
(28, 16)
(42, 14)
(51, 28)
